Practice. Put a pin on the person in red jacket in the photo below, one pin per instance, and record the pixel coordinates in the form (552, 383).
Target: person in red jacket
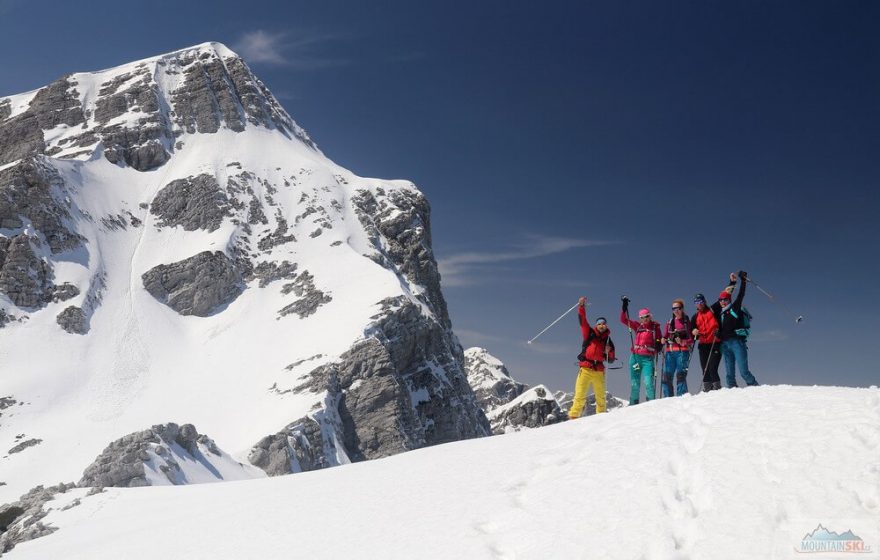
(705, 322)
(597, 348)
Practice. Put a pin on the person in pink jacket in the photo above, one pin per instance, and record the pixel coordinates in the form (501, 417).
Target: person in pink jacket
(646, 344)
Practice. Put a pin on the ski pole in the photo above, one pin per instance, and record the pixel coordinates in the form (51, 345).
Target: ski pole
(553, 323)
(797, 318)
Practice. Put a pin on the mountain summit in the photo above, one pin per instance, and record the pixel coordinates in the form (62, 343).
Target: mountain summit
(175, 250)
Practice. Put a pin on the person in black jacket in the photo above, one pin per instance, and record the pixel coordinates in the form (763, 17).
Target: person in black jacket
(730, 331)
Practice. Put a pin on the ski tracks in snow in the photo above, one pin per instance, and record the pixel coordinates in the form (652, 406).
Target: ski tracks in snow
(120, 377)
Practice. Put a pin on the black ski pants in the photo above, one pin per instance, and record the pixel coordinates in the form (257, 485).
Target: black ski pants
(710, 359)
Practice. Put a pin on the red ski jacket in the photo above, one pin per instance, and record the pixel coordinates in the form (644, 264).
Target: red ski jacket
(707, 323)
(597, 346)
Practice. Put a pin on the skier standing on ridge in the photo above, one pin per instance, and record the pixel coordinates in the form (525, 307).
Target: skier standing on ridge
(645, 347)
(705, 323)
(678, 341)
(597, 348)
(732, 332)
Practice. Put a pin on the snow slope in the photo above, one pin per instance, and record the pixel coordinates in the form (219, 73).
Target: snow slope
(732, 474)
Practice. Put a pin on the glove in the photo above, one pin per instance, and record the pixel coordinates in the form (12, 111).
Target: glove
(625, 304)
(743, 275)
(581, 357)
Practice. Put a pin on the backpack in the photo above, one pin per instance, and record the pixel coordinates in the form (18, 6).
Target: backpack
(745, 322)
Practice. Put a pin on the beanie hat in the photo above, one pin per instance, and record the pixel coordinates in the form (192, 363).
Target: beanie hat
(678, 302)
(724, 295)
(601, 321)
(700, 298)
(644, 312)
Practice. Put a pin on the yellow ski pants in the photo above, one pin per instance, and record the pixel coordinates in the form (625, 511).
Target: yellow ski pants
(587, 377)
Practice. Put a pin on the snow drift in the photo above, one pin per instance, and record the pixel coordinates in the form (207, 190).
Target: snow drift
(743, 473)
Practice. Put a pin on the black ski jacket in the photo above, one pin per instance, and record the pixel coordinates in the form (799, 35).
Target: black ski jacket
(731, 321)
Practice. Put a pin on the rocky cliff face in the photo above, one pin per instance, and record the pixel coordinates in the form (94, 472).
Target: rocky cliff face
(183, 249)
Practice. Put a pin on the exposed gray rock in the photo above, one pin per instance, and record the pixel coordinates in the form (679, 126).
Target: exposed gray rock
(403, 218)
(57, 103)
(194, 203)
(255, 213)
(5, 109)
(535, 408)
(299, 447)
(121, 464)
(27, 191)
(22, 135)
(268, 272)
(21, 521)
(277, 237)
(401, 388)
(64, 292)
(24, 445)
(6, 402)
(5, 318)
(199, 285)
(24, 277)
(73, 320)
(310, 298)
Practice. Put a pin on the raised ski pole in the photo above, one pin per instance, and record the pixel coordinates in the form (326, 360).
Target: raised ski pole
(797, 318)
(553, 323)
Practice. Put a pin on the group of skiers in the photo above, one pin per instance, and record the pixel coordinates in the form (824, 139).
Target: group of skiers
(717, 330)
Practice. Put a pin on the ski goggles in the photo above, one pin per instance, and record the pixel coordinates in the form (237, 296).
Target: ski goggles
(644, 316)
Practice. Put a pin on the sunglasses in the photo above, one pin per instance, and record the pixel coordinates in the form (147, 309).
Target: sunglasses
(677, 308)
(644, 316)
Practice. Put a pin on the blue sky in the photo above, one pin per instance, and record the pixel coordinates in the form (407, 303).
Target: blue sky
(573, 148)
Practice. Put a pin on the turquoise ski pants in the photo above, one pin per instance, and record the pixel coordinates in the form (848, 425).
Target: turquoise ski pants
(641, 368)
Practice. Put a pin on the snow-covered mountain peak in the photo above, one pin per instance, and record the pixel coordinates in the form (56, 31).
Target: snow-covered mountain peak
(140, 113)
(173, 248)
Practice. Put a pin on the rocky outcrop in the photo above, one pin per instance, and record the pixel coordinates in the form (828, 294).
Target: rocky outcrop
(22, 136)
(73, 320)
(21, 446)
(217, 90)
(534, 408)
(194, 203)
(27, 192)
(199, 285)
(310, 298)
(490, 380)
(25, 278)
(122, 463)
(401, 388)
(297, 448)
(21, 521)
(403, 220)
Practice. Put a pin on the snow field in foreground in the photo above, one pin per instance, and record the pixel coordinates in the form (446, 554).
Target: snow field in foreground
(728, 474)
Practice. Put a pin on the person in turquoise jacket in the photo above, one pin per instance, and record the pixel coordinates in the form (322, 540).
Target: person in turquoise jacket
(646, 344)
